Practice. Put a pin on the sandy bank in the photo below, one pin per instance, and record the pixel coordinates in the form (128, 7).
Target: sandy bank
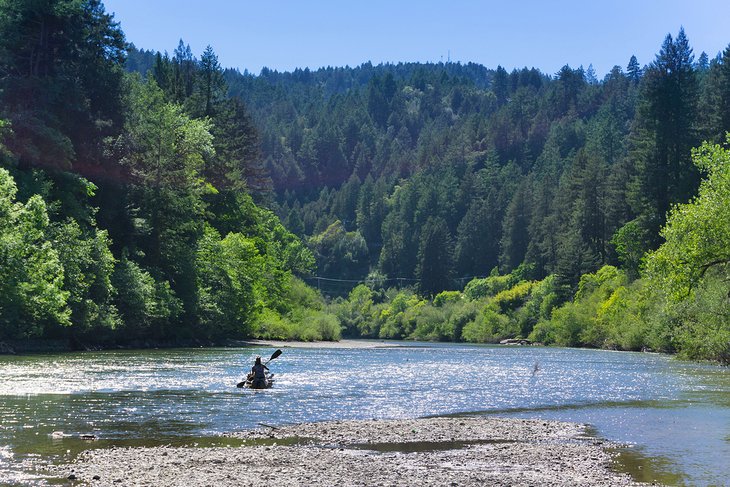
(321, 344)
(434, 452)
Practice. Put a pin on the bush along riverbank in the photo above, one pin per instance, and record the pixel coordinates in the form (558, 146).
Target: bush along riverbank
(678, 303)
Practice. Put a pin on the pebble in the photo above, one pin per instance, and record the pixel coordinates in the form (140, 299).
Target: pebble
(527, 453)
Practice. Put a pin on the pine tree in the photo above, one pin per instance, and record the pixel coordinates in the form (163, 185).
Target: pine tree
(183, 64)
(500, 85)
(210, 87)
(633, 70)
(162, 73)
(724, 68)
(434, 270)
(61, 83)
(703, 63)
(477, 242)
(515, 236)
(664, 133)
(591, 75)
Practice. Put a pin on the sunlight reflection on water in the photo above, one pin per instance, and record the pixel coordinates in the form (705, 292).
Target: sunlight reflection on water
(173, 393)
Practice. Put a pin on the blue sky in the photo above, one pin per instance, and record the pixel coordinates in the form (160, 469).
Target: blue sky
(286, 34)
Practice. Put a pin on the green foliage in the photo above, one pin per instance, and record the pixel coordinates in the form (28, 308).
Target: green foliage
(339, 253)
(434, 267)
(397, 319)
(162, 146)
(607, 311)
(701, 328)
(273, 326)
(87, 269)
(61, 88)
(489, 327)
(488, 286)
(184, 253)
(697, 234)
(631, 243)
(512, 298)
(433, 324)
(31, 272)
(690, 270)
(446, 297)
(148, 308)
(230, 289)
(355, 313)
(315, 325)
(409, 173)
(306, 320)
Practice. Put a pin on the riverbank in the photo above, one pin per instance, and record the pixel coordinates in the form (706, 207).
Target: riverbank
(430, 451)
(21, 347)
(344, 343)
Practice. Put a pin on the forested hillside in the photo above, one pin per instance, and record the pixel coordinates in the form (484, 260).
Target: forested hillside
(126, 214)
(550, 189)
(435, 172)
(151, 197)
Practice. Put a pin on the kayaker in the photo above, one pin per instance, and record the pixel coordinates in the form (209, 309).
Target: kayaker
(259, 374)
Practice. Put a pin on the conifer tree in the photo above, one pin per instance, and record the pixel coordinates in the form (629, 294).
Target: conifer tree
(724, 68)
(665, 131)
(210, 87)
(434, 270)
(633, 70)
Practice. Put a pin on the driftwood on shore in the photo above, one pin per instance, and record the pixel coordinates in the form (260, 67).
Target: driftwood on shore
(516, 341)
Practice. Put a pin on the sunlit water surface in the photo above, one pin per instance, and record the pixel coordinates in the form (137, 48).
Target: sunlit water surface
(676, 415)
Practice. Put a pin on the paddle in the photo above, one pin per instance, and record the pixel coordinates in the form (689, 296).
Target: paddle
(273, 356)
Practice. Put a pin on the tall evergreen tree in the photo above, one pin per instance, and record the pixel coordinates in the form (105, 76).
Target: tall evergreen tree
(210, 87)
(515, 236)
(478, 234)
(61, 82)
(633, 70)
(724, 87)
(434, 270)
(500, 85)
(665, 131)
(183, 69)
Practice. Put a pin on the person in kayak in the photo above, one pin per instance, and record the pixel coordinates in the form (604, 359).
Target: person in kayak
(258, 373)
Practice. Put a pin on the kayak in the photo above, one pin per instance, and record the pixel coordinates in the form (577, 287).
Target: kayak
(249, 383)
(268, 381)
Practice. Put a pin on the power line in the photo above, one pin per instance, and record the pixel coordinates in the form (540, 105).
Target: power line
(377, 279)
(334, 285)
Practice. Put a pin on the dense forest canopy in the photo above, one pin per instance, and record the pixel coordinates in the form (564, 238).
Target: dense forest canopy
(560, 171)
(152, 197)
(126, 209)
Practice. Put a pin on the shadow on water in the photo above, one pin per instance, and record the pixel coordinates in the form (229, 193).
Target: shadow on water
(423, 446)
(569, 407)
(72, 447)
(646, 468)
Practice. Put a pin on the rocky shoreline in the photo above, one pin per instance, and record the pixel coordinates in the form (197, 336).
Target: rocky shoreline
(465, 451)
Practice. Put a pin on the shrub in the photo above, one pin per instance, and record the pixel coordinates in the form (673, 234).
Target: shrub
(488, 327)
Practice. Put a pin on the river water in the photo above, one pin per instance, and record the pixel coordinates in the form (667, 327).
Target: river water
(675, 416)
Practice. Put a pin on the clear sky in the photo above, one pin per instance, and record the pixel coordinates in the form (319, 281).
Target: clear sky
(547, 34)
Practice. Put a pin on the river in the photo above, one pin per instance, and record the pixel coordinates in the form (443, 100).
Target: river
(674, 415)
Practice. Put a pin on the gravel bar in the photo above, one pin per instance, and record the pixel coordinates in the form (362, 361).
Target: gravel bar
(462, 451)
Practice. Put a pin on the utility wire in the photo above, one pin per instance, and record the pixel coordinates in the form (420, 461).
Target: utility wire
(331, 285)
